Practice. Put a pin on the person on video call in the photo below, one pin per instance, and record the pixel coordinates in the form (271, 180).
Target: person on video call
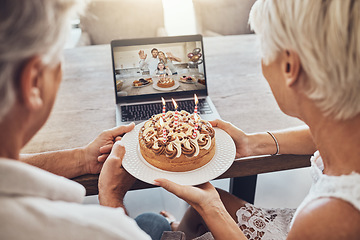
(168, 61)
(151, 63)
(37, 201)
(162, 69)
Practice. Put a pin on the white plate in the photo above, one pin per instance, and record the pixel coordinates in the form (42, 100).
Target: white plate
(148, 84)
(137, 166)
(188, 82)
(155, 86)
(142, 85)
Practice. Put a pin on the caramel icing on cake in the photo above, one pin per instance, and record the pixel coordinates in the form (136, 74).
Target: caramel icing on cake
(165, 82)
(182, 151)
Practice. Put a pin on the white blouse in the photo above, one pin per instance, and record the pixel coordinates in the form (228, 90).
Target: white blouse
(262, 223)
(344, 187)
(35, 204)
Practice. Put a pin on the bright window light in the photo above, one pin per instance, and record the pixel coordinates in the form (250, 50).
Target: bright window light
(179, 17)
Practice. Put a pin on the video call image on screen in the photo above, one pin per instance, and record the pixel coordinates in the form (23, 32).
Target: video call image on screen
(156, 68)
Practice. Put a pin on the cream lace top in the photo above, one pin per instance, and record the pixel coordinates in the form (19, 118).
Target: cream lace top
(260, 223)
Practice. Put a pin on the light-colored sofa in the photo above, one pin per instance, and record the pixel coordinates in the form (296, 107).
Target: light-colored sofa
(106, 20)
(222, 17)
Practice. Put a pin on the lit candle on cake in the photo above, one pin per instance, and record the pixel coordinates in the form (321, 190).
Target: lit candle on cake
(163, 129)
(164, 108)
(196, 126)
(176, 117)
(196, 103)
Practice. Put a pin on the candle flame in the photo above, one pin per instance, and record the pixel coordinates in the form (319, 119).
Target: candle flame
(163, 100)
(196, 99)
(175, 105)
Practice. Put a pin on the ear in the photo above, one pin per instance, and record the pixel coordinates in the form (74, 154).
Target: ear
(291, 67)
(30, 83)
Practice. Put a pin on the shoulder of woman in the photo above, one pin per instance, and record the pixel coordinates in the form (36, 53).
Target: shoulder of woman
(326, 218)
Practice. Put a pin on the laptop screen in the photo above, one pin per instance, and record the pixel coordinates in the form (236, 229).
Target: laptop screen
(147, 69)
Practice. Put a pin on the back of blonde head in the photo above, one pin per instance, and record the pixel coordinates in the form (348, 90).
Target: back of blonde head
(31, 28)
(326, 35)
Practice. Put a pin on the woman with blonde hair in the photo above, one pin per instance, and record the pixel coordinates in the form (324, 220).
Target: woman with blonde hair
(310, 58)
(168, 61)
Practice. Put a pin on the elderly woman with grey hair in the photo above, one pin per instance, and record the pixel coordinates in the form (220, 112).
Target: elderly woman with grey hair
(310, 58)
(36, 204)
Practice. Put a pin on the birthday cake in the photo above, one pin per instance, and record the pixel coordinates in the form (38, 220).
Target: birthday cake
(177, 141)
(165, 82)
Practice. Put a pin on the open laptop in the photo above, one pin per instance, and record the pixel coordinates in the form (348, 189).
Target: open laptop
(138, 96)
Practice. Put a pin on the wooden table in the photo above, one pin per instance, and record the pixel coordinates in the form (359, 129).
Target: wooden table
(85, 104)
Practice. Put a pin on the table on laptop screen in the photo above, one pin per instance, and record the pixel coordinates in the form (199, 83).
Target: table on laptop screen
(138, 68)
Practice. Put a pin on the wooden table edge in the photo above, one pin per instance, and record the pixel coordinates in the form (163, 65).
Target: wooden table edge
(240, 168)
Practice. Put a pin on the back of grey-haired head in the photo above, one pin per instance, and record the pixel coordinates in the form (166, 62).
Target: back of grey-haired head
(326, 35)
(30, 28)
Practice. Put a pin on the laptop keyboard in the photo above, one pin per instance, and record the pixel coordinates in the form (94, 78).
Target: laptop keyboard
(145, 111)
